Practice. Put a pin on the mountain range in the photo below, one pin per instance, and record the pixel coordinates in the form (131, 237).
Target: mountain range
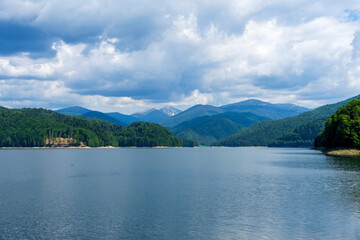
(151, 115)
(247, 123)
(170, 116)
(260, 108)
(204, 123)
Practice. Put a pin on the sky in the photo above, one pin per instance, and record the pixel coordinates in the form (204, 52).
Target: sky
(127, 56)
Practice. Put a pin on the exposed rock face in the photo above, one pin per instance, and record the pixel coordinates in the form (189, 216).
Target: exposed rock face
(62, 142)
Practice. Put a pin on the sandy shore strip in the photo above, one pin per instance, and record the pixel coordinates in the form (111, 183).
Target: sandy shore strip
(342, 152)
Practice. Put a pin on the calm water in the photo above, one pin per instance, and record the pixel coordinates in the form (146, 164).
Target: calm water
(203, 193)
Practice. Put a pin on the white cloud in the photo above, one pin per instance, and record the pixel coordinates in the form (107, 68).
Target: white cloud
(189, 53)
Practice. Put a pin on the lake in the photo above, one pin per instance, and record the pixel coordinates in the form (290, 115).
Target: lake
(200, 193)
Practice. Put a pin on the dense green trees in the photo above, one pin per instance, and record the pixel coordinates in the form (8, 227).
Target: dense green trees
(39, 127)
(144, 134)
(343, 128)
(190, 143)
(301, 136)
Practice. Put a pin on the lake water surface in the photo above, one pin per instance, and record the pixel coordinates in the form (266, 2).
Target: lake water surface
(201, 193)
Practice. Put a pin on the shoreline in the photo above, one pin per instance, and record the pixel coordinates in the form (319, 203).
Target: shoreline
(84, 147)
(342, 152)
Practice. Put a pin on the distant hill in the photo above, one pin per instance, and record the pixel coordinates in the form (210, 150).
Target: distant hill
(31, 127)
(208, 129)
(191, 113)
(264, 109)
(281, 132)
(342, 128)
(73, 111)
(103, 116)
(151, 115)
(127, 119)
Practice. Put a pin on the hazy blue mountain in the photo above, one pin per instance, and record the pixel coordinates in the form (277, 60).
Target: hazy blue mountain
(73, 111)
(274, 132)
(151, 115)
(191, 113)
(103, 116)
(127, 119)
(265, 109)
(208, 129)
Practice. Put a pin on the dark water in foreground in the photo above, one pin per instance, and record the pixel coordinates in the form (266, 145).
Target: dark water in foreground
(204, 193)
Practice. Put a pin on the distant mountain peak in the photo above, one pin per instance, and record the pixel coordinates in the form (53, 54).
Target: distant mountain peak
(151, 115)
(170, 111)
(147, 111)
(254, 102)
(75, 110)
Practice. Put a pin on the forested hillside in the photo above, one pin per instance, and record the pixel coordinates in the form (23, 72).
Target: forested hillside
(40, 127)
(301, 136)
(144, 134)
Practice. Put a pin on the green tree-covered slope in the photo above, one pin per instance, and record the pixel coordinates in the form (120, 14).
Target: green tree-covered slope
(40, 127)
(343, 128)
(207, 130)
(145, 134)
(301, 136)
(268, 132)
(32, 127)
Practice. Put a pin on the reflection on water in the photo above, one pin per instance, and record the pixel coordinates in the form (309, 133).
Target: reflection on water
(344, 163)
(203, 193)
(349, 183)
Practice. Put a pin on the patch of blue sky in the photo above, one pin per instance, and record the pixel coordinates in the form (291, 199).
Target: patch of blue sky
(352, 15)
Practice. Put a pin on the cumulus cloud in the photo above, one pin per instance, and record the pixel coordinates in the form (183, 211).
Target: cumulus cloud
(115, 56)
